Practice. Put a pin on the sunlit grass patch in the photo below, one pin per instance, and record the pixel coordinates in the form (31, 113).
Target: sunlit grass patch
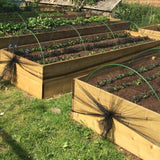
(30, 130)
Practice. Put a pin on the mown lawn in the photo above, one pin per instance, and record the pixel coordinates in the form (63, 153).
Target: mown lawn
(30, 130)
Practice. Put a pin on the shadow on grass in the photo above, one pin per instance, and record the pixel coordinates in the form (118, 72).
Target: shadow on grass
(17, 149)
(5, 84)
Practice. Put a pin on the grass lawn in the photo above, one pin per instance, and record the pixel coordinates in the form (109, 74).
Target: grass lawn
(30, 130)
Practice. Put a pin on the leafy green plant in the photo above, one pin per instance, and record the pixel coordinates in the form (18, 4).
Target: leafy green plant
(138, 98)
(130, 73)
(125, 85)
(60, 54)
(46, 24)
(126, 67)
(140, 15)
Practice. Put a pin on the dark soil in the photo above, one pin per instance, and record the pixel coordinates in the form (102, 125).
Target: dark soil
(78, 50)
(138, 89)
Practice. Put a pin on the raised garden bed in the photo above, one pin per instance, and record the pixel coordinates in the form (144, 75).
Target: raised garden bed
(152, 31)
(15, 18)
(40, 24)
(50, 8)
(73, 48)
(64, 32)
(103, 101)
(45, 80)
(27, 14)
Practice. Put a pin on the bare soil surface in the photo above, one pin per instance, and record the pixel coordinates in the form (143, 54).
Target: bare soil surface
(83, 49)
(137, 88)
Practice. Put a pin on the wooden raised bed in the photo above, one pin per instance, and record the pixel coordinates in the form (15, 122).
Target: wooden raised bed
(123, 135)
(73, 15)
(50, 8)
(63, 33)
(136, 129)
(43, 81)
(153, 31)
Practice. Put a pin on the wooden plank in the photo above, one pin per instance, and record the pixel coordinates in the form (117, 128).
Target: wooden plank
(70, 66)
(141, 32)
(29, 83)
(28, 75)
(155, 3)
(57, 77)
(67, 16)
(54, 86)
(151, 27)
(63, 84)
(30, 66)
(61, 34)
(133, 142)
(67, 40)
(150, 31)
(147, 121)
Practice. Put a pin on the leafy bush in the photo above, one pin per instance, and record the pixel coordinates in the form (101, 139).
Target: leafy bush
(6, 6)
(32, 23)
(140, 15)
(15, 5)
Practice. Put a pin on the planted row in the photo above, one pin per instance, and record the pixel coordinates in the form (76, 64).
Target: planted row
(8, 16)
(88, 47)
(135, 82)
(104, 82)
(144, 95)
(44, 24)
(78, 50)
(51, 46)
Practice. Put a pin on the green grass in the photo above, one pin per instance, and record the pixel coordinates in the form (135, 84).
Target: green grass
(138, 14)
(29, 130)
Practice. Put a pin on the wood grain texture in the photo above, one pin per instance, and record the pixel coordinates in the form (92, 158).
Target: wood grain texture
(29, 83)
(28, 74)
(61, 34)
(147, 121)
(155, 3)
(56, 78)
(30, 66)
(65, 40)
(78, 64)
(63, 84)
(151, 31)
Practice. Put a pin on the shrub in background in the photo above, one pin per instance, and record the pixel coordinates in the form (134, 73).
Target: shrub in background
(139, 14)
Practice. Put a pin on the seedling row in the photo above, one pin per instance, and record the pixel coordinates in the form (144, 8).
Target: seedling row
(55, 52)
(128, 85)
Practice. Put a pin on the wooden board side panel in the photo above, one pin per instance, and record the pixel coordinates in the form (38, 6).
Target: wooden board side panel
(32, 67)
(65, 40)
(151, 33)
(60, 34)
(134, 142)
(151, 27)
(28, 76)
(58, 85)
(4, 42)
(63, 84)
(70, 66)
(123, 136)
(148, 2)
(29, 83)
